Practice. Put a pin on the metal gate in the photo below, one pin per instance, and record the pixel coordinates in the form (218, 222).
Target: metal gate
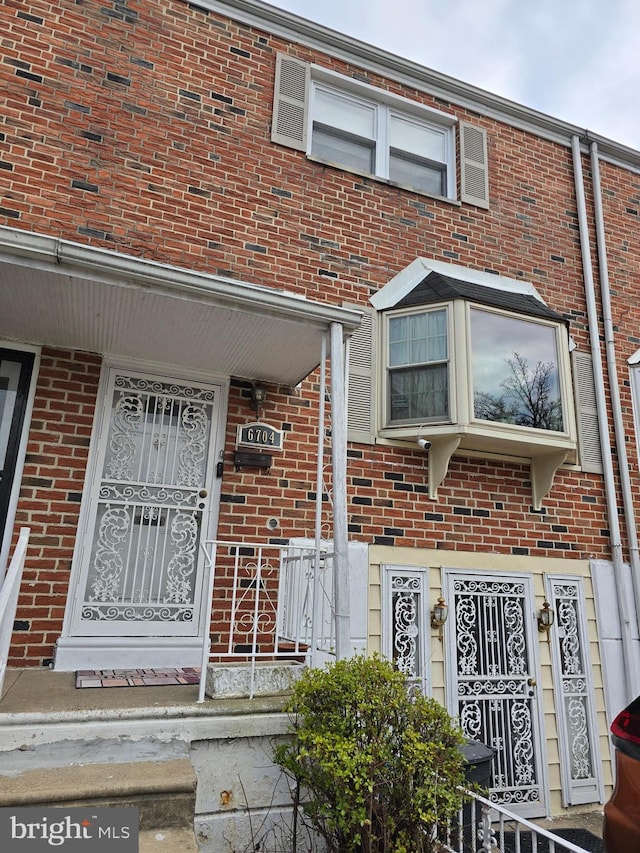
(492, 648)
(141, 571)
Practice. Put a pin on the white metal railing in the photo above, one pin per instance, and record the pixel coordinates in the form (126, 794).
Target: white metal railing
(305, 600)
(267, 603)
(9, 599)
(486, 827)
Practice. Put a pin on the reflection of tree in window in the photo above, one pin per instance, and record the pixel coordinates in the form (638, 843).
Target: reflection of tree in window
(515, 370)
(530, 397)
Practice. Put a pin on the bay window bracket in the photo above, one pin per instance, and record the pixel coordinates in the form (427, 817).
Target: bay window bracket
(440, 453)
(543, 470)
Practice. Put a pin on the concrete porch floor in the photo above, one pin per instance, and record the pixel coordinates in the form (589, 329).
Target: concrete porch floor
(29, 691)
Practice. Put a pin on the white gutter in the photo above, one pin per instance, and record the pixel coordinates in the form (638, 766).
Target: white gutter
(19, 246)
(619, 429)
(607, 459)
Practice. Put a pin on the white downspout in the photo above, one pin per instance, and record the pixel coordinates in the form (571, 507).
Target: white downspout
(339, 460)
(607, 460)
(619, 430)
(316, 609)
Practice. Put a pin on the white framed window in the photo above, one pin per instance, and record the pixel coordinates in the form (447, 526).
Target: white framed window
(370, 131)
(375, 138)
(515, 370)
(467, 362)
(418, 366)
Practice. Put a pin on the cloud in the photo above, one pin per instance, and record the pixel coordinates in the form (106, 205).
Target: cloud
(576, 60)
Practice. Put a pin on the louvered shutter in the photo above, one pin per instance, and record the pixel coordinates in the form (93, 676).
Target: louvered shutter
(587, 411)
(361, 389)
(290, 98)
(474, 165)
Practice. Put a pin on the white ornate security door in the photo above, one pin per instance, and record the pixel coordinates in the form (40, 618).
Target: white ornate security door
(492, 652)
(141, 570)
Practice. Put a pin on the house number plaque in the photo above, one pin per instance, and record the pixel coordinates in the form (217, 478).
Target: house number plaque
(259, 435)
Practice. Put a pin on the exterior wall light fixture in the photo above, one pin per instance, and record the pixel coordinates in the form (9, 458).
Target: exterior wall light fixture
(439, 616)
(258, 396)
(546, 618)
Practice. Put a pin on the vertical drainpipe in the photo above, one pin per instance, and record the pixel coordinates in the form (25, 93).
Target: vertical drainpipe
(607, 460)
(319, 493)
(619, 430)
(339, 460)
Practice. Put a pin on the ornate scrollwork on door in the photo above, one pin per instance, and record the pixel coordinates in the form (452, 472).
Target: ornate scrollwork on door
(405, 596)
(494, 664)
(184, 537)
(195, 426)
(148, 506)
(108, 561)
(572, 678)
(125, 425)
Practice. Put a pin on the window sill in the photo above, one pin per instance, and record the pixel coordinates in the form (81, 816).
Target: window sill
(385, 181)
(546, 451)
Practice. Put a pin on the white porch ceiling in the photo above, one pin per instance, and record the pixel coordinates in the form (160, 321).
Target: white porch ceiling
(63, 294)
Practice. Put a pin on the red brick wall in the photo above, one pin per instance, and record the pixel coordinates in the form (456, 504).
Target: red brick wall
(49, 501)
(145, 128)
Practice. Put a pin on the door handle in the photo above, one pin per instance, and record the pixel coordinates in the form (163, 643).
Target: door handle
(203, 493)
(531, 682)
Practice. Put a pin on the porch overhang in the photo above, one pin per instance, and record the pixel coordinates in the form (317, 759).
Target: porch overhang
(64, 294)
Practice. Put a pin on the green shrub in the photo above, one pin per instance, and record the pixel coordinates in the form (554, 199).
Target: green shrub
(376, 767)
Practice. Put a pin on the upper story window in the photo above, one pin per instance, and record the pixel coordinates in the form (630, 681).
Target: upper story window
(376, 139)
(357, 127)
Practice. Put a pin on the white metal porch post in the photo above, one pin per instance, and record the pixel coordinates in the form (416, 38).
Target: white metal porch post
(339, 463)
(319, 492)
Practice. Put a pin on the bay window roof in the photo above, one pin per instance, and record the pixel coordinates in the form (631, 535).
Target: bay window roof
(437, 287)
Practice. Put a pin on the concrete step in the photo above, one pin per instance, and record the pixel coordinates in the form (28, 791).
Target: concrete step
(169, 840)
(163, 791)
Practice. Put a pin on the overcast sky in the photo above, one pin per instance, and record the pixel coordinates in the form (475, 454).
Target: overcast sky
(576, 60)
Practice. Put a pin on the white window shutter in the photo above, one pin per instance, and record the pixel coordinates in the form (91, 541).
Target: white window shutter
(587, 411)
(290, 102)
(474, 165)
(362, 385)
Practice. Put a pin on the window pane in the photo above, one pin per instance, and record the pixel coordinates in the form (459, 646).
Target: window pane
(416, 138)
(515, 371)
(338, 148)
(411, 172)
(418, 338)
(419, 393)
(345, 113)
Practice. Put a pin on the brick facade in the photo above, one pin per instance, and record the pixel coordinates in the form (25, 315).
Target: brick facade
(145, 128)
(52, 484)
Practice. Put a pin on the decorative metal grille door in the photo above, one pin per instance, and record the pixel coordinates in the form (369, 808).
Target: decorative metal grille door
(142, 568)
(405, 632)
(580, 768)
(491, 643)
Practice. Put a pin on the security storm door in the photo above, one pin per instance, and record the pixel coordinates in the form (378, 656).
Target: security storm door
(492, 658)
(141, 571)
(580, 767)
